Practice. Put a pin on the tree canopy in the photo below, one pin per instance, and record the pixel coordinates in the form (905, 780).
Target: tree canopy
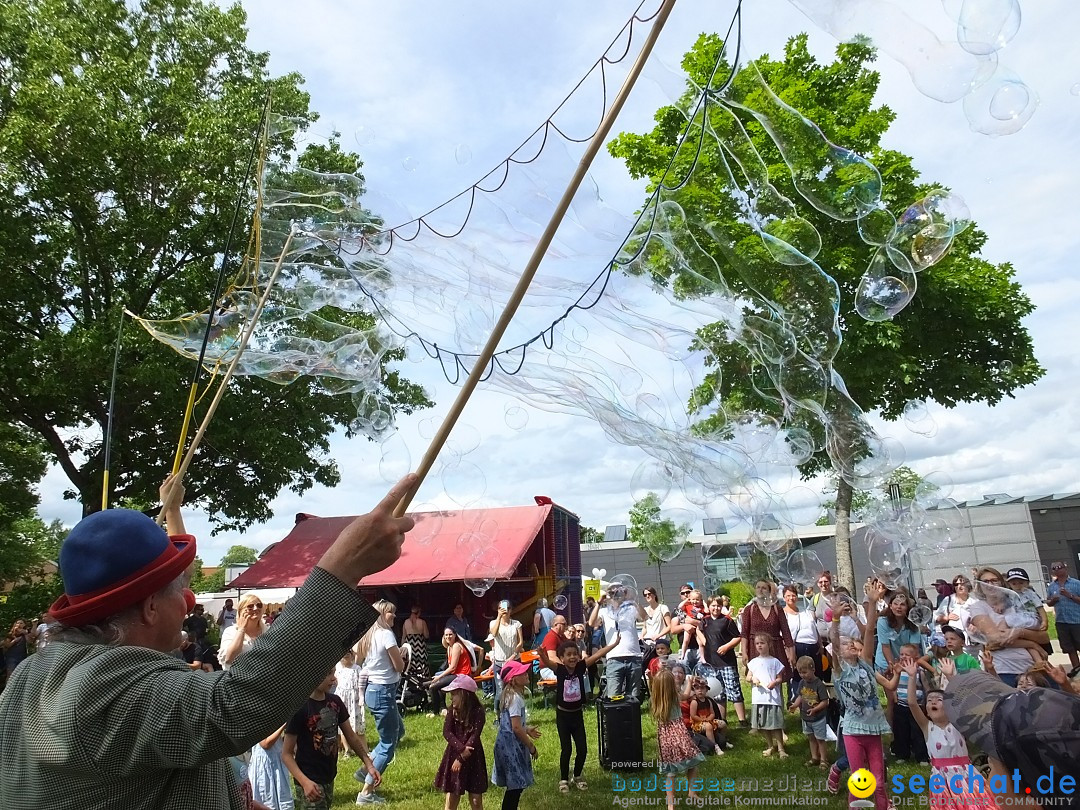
(661, 538)
(215, 582)
(962, 339)
(125, 131)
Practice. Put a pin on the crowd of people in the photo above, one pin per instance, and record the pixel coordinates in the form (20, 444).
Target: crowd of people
(270, 727)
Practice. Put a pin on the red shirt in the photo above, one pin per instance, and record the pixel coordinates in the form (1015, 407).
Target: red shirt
(550, 643)
(464, 664)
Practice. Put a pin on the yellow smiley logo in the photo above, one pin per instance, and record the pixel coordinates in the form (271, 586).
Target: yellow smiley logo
(861, 783)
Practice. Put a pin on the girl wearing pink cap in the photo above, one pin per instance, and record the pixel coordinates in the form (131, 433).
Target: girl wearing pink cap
(514, 746)
(463, 768)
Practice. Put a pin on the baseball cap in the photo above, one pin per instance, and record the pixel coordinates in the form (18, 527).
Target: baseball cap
(1017, 573)
(461, 682)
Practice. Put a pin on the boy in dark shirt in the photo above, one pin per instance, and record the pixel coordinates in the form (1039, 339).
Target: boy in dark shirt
(722, 638)
(813, 704)
(311, 747)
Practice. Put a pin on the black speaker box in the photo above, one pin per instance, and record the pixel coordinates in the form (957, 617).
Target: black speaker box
(618, 730)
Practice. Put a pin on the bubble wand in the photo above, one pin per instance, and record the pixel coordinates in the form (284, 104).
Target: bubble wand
(516, 297)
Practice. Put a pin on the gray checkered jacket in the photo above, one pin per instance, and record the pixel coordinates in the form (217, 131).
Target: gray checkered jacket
(87, 727)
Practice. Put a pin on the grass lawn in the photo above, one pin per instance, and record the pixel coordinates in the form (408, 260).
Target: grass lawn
(742, 770)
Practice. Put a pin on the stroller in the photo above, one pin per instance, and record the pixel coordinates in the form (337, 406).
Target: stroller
(411, 693)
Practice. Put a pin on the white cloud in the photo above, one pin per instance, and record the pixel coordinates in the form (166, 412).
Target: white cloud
(422, 78)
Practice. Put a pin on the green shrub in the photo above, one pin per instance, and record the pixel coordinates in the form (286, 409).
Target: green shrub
(738, 592)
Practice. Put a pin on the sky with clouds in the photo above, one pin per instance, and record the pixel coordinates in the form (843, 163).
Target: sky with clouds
(433, 94)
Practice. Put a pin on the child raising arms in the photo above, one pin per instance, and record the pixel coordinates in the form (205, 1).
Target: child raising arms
(948, 750)
(570, 690)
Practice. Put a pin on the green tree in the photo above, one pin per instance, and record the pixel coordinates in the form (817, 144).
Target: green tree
(962, 339)
(198, 578)
(236, 555)
(909, 481)
(125, 131)
(31, 586)
(755, 567)
(588, 535)
(660, 538)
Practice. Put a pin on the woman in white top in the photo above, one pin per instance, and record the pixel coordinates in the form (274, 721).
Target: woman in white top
(383, 664)
(507, 643)
(249, 626)
(802, 622)
(955, 611)
(657, 617)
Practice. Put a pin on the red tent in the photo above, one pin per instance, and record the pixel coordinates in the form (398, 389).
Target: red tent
(438, 549)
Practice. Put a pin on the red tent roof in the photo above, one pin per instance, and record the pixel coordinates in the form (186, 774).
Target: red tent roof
(438, 549)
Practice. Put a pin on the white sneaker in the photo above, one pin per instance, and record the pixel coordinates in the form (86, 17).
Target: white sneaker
(369, 798)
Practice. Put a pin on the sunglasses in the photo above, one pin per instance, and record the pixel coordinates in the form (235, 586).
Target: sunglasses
(1057, 567)
(960, 582)
(684, 593)
(990, 581)
(254, 606)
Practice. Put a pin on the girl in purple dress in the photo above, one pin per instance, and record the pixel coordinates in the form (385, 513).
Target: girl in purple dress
(463, 768)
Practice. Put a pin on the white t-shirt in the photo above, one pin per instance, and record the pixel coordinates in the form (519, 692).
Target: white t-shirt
(655, 625)
(227, 638)
(1008, 660)
(765, 669)
(377, 665)
(803, 626)
(228, 618)
(624, 621)
(504, 645)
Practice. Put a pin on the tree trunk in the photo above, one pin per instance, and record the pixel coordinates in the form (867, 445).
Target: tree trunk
(660, 576)
(845, 568)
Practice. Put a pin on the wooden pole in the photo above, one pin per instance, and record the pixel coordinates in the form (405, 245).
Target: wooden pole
(537, 256)
(249, 330)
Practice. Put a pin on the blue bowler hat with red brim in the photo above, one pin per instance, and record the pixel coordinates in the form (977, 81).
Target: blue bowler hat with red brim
(114, 559)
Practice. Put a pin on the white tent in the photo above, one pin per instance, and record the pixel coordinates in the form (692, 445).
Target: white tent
(214, 602)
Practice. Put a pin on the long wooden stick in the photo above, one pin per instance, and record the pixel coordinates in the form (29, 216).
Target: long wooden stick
(249, 330)
(534, 260)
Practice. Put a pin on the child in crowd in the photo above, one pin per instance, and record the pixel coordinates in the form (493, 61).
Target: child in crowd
(514, 746)
(662, 648)
(570, 691)
(705, 716)
(463, 768)
(812, 703)
(268, 775)
(856, 689)
(311, 747)
(723, 638)
(948, 642)
(908, 742)
(1034, 678)
(677, 753)
(347, 688)
(767, 714)
(948, 750)
(692, 607)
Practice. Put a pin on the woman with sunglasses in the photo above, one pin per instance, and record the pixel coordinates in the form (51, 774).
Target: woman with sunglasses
(1013, 651)
(240, 636)
(955, 610)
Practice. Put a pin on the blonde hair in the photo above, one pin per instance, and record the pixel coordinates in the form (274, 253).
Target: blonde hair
(664, 697)
(509, 690)
(247, 599)
(363, 646)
